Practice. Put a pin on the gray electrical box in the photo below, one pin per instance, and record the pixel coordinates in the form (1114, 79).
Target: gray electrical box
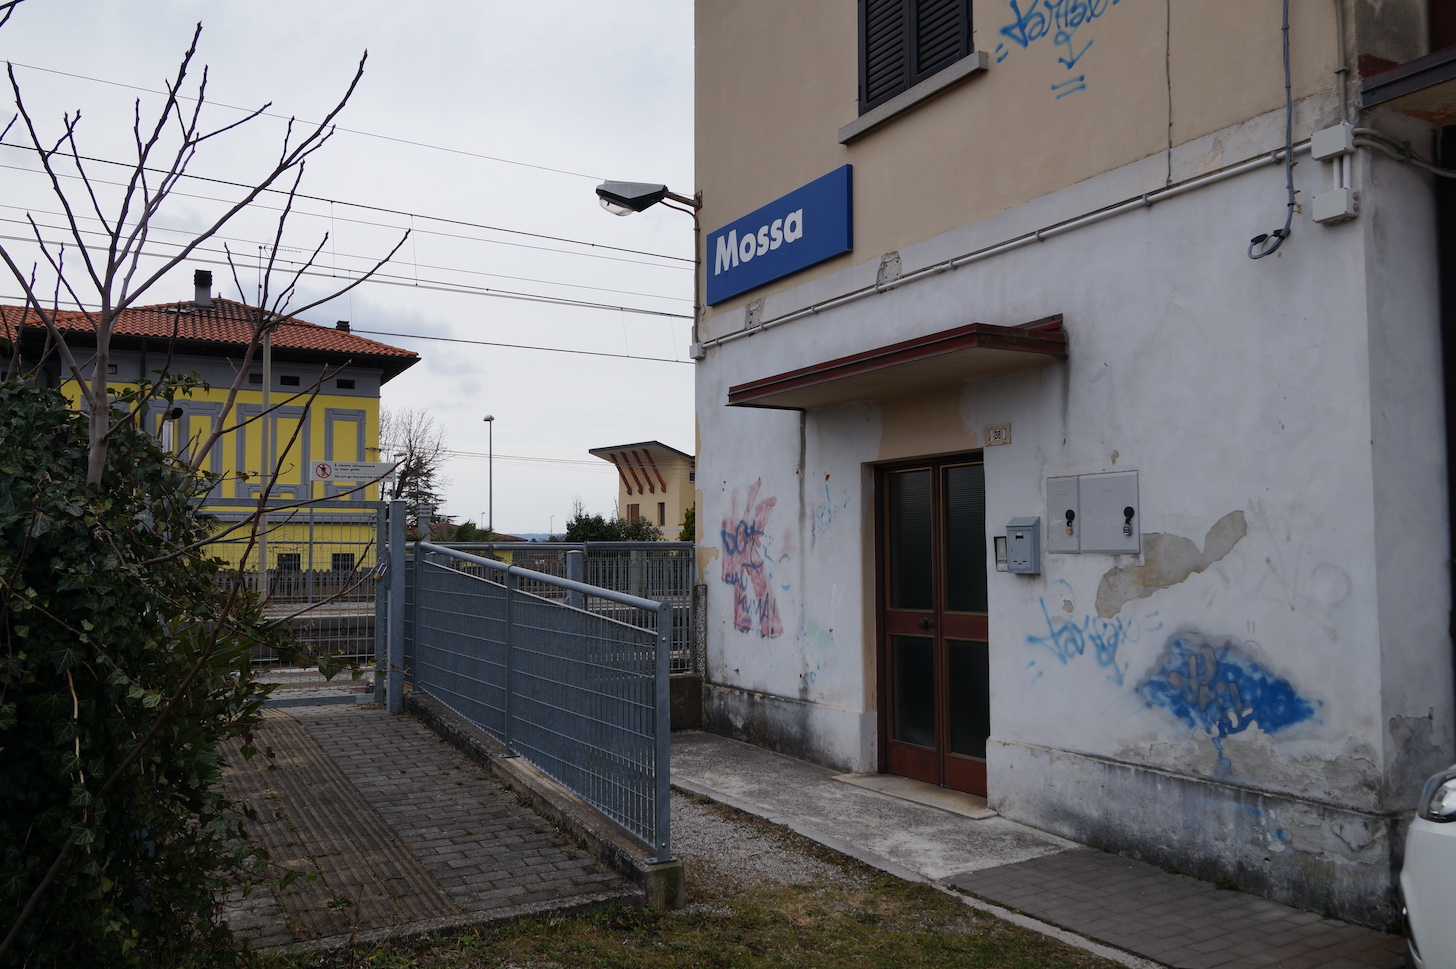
(1109, 519)
(1023, 546)
(1064, 528)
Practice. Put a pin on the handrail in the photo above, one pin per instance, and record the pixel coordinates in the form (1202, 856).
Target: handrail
(543, 577)
(551, 546)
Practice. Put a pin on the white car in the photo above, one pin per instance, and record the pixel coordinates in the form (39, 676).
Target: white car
(1426, 880)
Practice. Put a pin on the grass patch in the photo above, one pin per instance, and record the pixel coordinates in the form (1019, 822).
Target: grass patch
(830, 912)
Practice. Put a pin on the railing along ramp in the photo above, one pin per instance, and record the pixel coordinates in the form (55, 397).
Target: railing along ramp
(571, 677)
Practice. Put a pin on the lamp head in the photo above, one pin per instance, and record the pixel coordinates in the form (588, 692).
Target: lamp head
(624, 198)
(489, 418)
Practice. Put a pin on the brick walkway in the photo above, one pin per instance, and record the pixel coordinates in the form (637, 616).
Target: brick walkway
(1176, 920)
(401, 832)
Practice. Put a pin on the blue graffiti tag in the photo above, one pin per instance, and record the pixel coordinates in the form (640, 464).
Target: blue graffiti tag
(1059, 19)
(825, 514)
(1069, 638)
(1220, 689)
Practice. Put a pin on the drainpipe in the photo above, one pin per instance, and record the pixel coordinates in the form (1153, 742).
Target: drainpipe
(1446, 270)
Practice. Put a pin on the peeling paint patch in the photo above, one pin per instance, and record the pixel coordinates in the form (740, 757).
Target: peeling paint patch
(1167, 561)
(1216, 687)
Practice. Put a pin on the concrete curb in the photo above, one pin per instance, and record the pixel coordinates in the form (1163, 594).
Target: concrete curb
(662, 884)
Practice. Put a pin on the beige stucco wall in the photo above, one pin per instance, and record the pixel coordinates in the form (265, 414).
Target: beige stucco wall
(777, 80)
(678, 496)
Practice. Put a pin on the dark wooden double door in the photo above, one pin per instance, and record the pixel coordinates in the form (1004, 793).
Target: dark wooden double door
(934, 663)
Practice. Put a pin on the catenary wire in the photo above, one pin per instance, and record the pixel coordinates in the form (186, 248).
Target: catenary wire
(355, 205)
(366, 259)
(257, 206)
(352, 131)
(487, 343)
(435, 286)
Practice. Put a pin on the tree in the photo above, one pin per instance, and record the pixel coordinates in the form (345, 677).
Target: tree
(582, 527)
(413, 439)
(689, 531)
(125, 661)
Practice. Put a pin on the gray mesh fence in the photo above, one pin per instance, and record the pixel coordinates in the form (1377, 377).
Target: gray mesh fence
(320, 576)
(660, 571)
(575, 681)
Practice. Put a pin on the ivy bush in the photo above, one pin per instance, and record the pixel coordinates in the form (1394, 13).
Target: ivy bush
(124, 663)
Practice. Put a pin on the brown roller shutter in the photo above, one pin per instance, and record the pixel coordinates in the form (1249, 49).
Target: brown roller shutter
(903, 42)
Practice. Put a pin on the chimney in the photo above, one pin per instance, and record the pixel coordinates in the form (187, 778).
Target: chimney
(202, 289)
(342, 325)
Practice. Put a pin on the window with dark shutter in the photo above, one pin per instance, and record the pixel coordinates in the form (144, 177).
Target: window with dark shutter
(903, 42)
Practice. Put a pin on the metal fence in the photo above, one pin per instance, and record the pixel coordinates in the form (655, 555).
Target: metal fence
(320, 576)
(571, 676)
(660, 571)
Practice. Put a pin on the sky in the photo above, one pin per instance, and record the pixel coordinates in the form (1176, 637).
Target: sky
(480, 127)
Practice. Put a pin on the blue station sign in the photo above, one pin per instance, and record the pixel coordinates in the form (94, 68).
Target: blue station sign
(807, 226)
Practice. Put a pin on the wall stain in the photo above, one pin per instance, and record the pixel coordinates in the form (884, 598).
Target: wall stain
(1167, 561)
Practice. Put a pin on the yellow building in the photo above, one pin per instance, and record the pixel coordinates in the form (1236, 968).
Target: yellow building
(655, 482)
(324, 395)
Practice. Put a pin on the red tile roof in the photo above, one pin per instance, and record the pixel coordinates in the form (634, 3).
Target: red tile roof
(225, 322)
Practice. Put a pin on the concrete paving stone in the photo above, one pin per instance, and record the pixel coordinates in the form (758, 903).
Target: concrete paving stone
(437, 811)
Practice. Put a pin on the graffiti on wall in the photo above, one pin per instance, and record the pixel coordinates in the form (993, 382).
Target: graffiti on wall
(1061, 21)
(1217, 686)
(1068, 635)
(828, 511)
(746, 562)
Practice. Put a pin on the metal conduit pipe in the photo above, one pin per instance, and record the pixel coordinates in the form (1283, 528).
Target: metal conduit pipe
(1026, 239)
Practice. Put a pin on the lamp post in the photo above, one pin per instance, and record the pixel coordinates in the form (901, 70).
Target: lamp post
(490, 472)
(624, 198)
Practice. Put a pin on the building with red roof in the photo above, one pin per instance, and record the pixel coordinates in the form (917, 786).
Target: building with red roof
(324, 387)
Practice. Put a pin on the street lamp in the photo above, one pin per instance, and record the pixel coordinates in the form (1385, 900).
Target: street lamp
(624, 198)
(490, 471)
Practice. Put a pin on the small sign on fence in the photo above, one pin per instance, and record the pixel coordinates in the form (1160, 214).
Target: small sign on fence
(351, 470)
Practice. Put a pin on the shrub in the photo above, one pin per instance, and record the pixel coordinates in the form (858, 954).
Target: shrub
(124, 664)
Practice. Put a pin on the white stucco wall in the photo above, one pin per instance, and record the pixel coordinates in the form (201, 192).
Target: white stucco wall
(1284, 416)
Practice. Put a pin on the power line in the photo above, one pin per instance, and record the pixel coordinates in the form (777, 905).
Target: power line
(259, 206)
(355, 205)
(437, 286)
(352, 131)
(487, 343)
(518, 346)
(366, 259)
(483, 455)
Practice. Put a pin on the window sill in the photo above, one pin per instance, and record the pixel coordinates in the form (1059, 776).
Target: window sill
(973, 63)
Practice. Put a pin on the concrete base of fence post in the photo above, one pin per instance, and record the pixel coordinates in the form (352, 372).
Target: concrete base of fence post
(663, 884)
(687, 701)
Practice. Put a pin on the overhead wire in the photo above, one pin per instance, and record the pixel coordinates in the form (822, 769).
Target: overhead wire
(403, 213)
(591, 465)
(518, 346)
(367, 260)
(258, 206)
(353, 131)
(380, 279)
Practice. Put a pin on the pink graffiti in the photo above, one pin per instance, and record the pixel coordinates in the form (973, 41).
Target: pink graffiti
(743, 565)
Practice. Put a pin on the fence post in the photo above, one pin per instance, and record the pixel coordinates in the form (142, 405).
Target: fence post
(394, 677)
(576, 572)
(662, 824)
(381, 599)
(510, 635)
